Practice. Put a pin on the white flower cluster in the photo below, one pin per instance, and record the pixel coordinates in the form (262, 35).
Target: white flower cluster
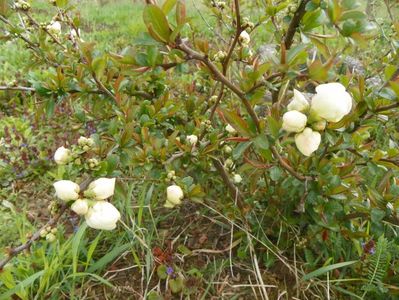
(330, 104)
(99, 214)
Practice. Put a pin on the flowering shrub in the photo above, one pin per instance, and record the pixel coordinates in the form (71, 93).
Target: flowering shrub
(284, 144)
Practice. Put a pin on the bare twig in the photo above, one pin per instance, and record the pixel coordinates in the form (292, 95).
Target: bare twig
(296, 20)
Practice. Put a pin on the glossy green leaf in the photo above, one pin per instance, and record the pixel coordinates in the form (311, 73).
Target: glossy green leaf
(157, 24)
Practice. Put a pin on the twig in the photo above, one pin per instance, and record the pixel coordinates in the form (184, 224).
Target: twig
(15, 251)
(52, 36)
(220, 77)
(234, 192)
(387, 107)
(288, 168)
(296, 20)
(236, 37)
(17, 88)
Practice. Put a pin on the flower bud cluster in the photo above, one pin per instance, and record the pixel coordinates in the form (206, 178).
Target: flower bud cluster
(49, 234)
(219, 4)
(220, 56)
(21, 5)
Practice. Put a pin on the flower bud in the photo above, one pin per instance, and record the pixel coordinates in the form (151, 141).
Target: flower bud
(307, 141)
(102, 215)
(319, 125)
(66, 190)
(80, 206)
(237, 178)
(174, 195)
(244, 38)
(294, 121)
(298, 102)
(50, 237)
(227, 149)
(54, 27)
(192, 139)
(230, 129)
(101, 189)
(228, 163)
(331, 102)
(220, 56)
(62, 156)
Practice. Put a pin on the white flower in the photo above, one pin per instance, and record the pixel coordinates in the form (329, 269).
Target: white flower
(102, 215)
(244, 38)
(298, 102)
(62, 155)
(80, 206)
(294, 121)
(331, 102)
(307, 141)
(230, 129)
(174, 195)
(101, 188)
(54, 27)
(237, 178)
(66, 190)
(192, 139)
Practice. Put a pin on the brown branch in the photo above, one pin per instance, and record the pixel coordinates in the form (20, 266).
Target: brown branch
(234, 192)
(54, 220)
(17, 88)
(220, 77)
(387, 107)
(288, 167)
(236, 37)
(52, 36)
(296, 20)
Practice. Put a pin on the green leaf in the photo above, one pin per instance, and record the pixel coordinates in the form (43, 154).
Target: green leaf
(326, 269)
(107, 258)
(240, 149)
(274, 126)
(261, 142)
(176, 285)
(75, 246)
(162, 272)
(99, 278)
(157, 24)
(98, 66)
(168, 5)
(62, 3)
(275, 173)
(23, 285)
(180, 12)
